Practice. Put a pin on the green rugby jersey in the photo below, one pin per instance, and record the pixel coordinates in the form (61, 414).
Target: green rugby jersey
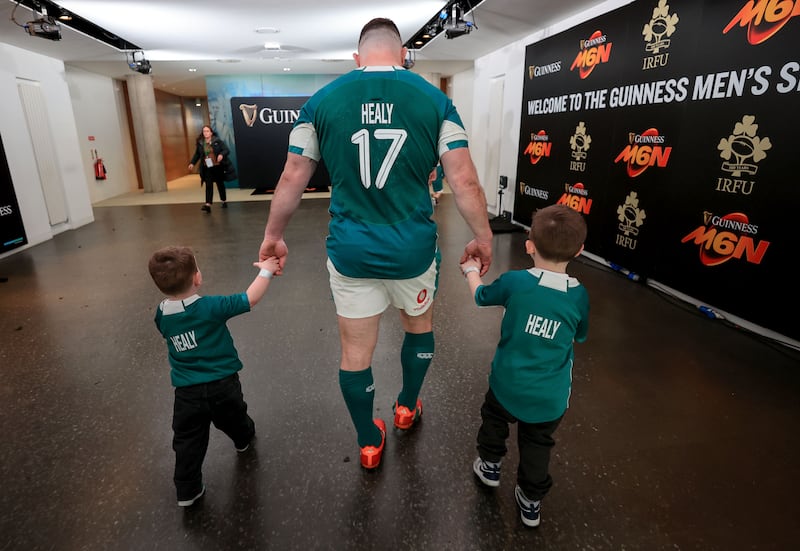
(532, 367)
(200, 346)
(380, 131)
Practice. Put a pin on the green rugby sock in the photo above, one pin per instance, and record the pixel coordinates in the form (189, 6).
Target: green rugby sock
(358, 390)
(415, 357)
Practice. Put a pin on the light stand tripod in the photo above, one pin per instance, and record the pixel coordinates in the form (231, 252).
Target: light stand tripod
(502, 222)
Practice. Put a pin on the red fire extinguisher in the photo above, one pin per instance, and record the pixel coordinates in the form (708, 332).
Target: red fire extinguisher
(99, 168)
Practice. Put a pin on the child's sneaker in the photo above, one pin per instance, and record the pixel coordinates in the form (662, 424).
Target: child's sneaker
(404, 418)
(241, 448)
(190, 502)
(528, 510)
(370, 455)
(487, 471)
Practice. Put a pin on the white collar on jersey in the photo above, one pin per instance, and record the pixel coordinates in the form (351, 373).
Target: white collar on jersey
(553, 280)
(176, 306)
(377, 68)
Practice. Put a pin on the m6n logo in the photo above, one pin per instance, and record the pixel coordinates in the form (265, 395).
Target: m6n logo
(594, 51)
(722, 238)
(763, 18)
(643, 151)
(576, 197)
(538, 147)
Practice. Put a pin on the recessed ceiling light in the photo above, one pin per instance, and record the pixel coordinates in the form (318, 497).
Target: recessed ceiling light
(272, 46)
(287, 68)
(192, 69)
(228, 60)
(267, 30)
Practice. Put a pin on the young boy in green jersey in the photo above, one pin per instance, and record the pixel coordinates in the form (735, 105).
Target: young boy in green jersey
(546, 310)
(203, 360)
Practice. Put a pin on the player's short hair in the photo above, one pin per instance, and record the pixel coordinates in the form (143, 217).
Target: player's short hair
(557, 232)
(172, 269)
(379, 25)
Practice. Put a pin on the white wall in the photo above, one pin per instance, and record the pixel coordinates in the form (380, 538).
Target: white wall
(99, 106)
(17, 64)
(460, 91)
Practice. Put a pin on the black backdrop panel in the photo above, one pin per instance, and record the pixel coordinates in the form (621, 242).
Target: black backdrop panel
(261, 127)
(670, 126)
(12, 230)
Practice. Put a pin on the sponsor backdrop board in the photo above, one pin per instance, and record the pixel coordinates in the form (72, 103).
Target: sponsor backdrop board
(221, 88)
(261, 128)
(670, 125)
(12, 230)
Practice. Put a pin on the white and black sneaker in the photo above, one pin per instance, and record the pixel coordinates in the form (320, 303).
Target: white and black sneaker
(528, 510)
(487, 471)
(190, 502)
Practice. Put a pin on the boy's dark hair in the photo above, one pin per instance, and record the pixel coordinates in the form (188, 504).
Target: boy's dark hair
(172, 269)
(379, 23)
(557, 232)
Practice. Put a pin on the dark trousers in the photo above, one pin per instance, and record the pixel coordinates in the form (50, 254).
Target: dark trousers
(535, 440)
(196, 407)
(214, 175)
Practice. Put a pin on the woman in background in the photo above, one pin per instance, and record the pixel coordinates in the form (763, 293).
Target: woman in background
(214, 155)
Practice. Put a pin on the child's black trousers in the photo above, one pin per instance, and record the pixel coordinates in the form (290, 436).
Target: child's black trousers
(535, 440)
(196, 407)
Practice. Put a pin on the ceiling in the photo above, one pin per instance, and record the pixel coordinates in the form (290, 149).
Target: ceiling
(228, 37)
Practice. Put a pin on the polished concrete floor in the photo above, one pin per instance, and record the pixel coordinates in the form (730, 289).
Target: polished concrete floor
(683, 432)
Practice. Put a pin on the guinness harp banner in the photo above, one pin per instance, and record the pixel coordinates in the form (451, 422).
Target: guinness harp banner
(12, 230)
(261, 129)
(672, 126)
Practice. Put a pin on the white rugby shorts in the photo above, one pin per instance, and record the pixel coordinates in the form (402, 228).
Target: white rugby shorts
(358, 298)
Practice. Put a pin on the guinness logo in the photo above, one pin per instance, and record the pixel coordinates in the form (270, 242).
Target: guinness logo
(249, 113)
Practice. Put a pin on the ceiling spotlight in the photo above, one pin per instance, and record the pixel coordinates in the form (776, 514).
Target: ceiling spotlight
(454, 24)
(457, 18)
(140, 65)
(460, 29)
(44, 27)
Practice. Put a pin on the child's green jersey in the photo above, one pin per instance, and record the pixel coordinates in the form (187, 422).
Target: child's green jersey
(200, 346)
(532, 367)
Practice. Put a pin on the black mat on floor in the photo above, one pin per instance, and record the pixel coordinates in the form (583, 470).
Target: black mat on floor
(502, 224)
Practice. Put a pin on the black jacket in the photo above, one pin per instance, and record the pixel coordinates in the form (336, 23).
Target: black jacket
(219, 148)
